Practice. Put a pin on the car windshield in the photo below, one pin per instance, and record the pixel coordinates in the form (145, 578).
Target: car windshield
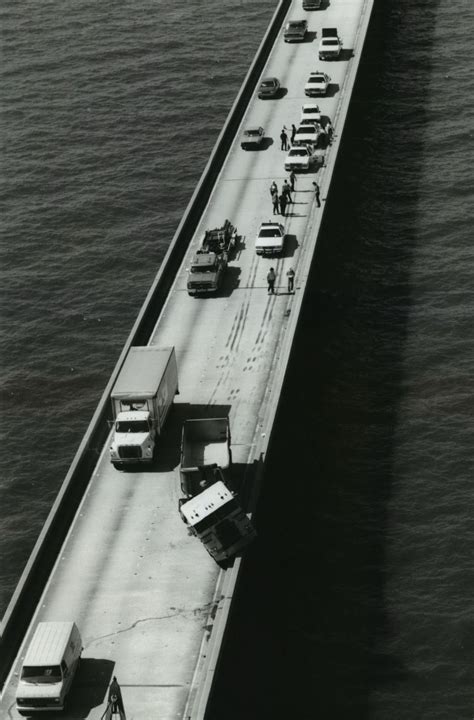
(202, 268)
(268, 83)
(330, 42)
(297, 25)
(311, 110)
(41, 674)
(132, 426)
(270, 232)
(300, 152)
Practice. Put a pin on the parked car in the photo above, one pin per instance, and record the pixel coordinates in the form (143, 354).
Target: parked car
(306, 135)
(299, 158)
(269, 87)
(295, 30)
(270, 239)
(317, 84)
(252, 138)
(311, 111)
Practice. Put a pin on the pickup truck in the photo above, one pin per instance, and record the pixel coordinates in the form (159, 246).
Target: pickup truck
(331, 45)
(210, 261)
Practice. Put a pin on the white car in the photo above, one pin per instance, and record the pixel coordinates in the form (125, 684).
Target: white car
(270, 239)
(299, 158)
(330, 46)
(317, 84)
(311, 111)
(307, 135)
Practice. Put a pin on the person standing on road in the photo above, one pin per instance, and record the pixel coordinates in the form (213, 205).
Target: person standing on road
(284, 140)
(276, 205)
(286, 190)
(271, 277)
(293, 133)
(291, 279)
(273, 188)
(292, 180)
(282, 199)
(316, 193)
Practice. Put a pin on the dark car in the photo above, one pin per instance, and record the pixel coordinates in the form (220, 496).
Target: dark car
(269, 87)
(295, 30)
(252, 138)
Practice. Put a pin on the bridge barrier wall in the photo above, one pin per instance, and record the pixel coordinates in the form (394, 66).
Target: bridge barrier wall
(28, 591)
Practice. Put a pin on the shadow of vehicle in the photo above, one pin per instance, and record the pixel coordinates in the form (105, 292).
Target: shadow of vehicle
(346, 54)
(89, 689)
(291, 243)
(231, 281)
(332, 90)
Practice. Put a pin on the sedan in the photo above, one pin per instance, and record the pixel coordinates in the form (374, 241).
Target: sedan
(306, 135)
(317, 84)
(299, 158)
(311, 112)
(295, 30)
(269, 87)
(252, 138)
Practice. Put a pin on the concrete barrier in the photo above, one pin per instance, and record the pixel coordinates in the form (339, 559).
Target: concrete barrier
(38, 568)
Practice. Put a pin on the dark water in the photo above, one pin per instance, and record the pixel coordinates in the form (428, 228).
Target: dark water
(357, 599)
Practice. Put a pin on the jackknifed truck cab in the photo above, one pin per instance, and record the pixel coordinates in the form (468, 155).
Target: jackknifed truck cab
(141, 398)
(210, 507)
(48, 668)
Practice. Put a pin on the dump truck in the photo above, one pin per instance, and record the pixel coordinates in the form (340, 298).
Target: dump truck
(141, 398)
(210, 507)
(205, 454)
(210, 260)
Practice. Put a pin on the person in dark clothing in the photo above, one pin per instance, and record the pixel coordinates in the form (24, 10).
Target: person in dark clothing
(115, 702)
(273, 188)
(316, 193)
(282, 199)
(292, 180)
(291, 279)
(271, 277)
(276, 204)
(293, 133)
(284, 140)
(286, 190)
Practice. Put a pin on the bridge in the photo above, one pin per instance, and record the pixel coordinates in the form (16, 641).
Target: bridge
(151, 604)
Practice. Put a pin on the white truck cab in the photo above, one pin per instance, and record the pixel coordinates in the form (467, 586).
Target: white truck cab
(48, 669)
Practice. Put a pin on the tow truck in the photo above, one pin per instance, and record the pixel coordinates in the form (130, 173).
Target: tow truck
(210, 260)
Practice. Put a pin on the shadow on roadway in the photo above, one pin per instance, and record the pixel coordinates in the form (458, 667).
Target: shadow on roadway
(89, 689)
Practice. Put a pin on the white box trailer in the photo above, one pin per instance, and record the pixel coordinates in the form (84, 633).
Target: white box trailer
(141, 398)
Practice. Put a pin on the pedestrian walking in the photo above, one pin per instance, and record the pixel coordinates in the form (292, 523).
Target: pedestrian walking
(293, 133)
(282, 200)
(271, 277)
(276, 204)
(284, 140)
(286, 190)
(291, 279)
(292, 180)
(316, 193)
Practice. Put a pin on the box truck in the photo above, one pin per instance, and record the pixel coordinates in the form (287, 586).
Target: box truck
(141, 398)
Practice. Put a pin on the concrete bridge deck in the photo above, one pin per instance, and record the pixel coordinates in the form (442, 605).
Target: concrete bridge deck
(142, 591)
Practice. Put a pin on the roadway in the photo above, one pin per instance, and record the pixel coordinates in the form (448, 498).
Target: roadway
(142, 591)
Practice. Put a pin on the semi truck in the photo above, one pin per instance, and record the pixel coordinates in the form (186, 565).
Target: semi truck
(141, 398)
(210, 260)
(210, 507)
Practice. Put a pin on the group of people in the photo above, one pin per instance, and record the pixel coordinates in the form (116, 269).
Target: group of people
(281, 200)
(271, 278)
(324, 130)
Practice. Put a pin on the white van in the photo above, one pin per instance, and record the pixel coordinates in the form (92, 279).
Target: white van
(48, 668)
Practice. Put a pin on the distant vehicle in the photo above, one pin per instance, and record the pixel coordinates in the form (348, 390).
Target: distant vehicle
(299, 158)
(330, 46)
(252, 138)
(317, 84)
(269, 88)
(295, 30)
(311, 112)
(312, 4)
(307, 135)
(270, 239)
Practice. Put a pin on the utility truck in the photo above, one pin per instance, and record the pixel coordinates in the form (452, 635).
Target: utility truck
(142, 397)
(210, 507)
(210, 260)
